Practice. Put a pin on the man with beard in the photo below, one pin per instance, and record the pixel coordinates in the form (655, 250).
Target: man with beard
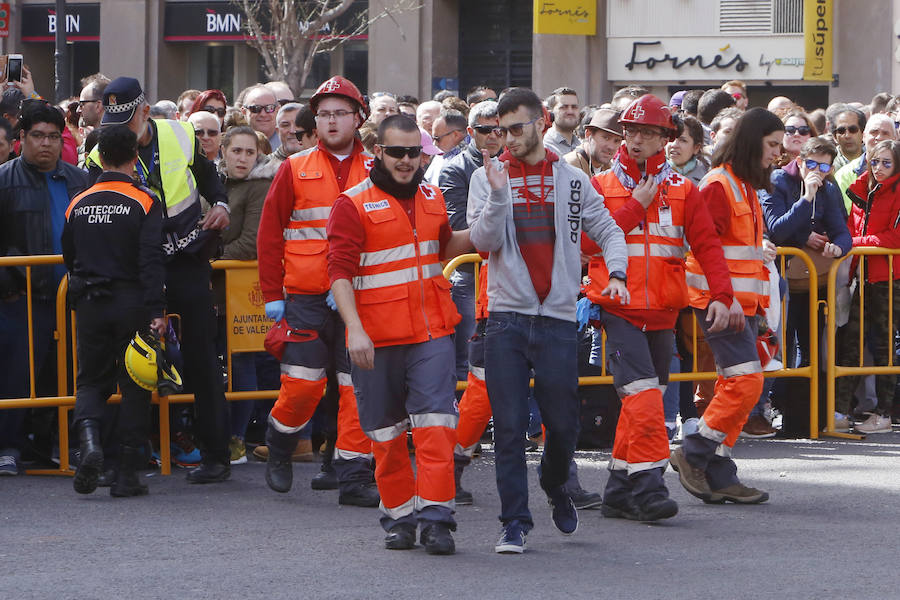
(387, 237)
(602, 138)
(528, 212)
(293, 274)
(561, 138)
(661, 211)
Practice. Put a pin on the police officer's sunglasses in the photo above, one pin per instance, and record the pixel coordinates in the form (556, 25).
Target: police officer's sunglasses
(401, 151)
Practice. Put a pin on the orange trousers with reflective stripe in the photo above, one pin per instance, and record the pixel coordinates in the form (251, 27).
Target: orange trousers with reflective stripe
(641, 431)
(732, 402)
(297, 402)
(474, 412)
(433, 480)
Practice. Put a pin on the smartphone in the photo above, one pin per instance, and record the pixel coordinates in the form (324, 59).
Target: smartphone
(14, 67)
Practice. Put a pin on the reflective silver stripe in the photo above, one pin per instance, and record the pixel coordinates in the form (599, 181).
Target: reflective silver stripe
(434, 420)
(750, 285)
(344, 379)
(710, 433)
(282, 428)
(319, 213)
(179, 208)
(350, 455)
(305, 233)
(477, 372)
(670, 231)
(398, 277)
(745, 368)
(380, 280)
(429, 247)
(666, 251)
(742, 253)
(422, 503)
(300, 372)
(735, 188)
(723, 450)
(617, 464)
(380, 257)
(398, 512)
(638, 385)
(646, 466)
(662, 388)
(470, 451)
(386, 434)
(696, 280)
(635, 249)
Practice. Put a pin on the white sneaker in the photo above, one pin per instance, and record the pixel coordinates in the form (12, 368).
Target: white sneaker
(841, 422)
(875, 424)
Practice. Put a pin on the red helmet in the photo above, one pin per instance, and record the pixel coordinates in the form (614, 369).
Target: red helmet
(649, 110)
(340, 86)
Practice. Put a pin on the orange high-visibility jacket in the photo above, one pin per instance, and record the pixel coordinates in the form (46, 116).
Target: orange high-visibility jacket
(401, 294)
(656, 279)
(305, 240)
(742, 244)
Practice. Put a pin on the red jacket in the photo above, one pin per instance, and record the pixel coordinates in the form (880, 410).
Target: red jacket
(875, 221)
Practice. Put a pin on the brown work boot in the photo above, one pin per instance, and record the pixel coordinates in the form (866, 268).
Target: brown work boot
(739, 494)
(302, 453)
(692, 478)
(757, 427)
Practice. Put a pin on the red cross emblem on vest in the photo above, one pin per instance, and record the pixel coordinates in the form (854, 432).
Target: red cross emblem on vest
(637, 112)
(426, 191)
(330, 85)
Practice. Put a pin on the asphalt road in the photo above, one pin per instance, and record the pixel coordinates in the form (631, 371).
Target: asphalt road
(830, 530)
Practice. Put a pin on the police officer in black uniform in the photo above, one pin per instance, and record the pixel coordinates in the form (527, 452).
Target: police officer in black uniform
(171, 164)
(111, 247)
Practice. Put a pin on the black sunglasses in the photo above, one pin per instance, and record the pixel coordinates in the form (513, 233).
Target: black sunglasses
(299, 134)
(258, 108)
(843, 130)
(401, 151)
(516, 128)
(207, 132)
(215, 110)
(484, 129)
(791, 130)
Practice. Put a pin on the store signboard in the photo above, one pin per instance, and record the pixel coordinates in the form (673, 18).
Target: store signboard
(818, 33)
(203, 22)
(566, 17)
(82, 22)
(749, 58)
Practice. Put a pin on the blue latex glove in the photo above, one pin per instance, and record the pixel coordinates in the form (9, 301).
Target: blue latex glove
(329, 300)
(582, 312)
(275, 310)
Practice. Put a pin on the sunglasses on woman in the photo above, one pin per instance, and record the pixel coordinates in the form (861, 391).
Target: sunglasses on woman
(886, 163)
(214, 110)
(813, 165)
(401, 151)
(801, 130)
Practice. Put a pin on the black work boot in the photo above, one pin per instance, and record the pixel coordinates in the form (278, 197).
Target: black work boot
(437, 539)
(360, 494)
(91, 463)
(618, 503)
(326, 478)
(128, 482)
(651, 495)
(463, 497)
(279, 471)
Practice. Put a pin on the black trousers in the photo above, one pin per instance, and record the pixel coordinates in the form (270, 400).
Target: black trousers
(104, 328)
(189, 295)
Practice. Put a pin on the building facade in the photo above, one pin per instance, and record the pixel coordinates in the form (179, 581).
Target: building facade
(172, 45)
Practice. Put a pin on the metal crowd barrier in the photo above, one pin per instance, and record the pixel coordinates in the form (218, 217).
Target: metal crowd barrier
(64, 401)
(833, 370)
(807, 372)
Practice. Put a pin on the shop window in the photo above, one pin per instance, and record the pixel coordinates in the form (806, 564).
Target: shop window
(356, 64)
(494, 43)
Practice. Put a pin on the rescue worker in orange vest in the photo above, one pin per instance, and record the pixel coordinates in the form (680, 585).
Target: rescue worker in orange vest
(659, 211)
(293, 275)
(740, 167)
(387, 237)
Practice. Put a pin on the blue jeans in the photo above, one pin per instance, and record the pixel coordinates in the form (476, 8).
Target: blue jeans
(514, 345)
(463, 294)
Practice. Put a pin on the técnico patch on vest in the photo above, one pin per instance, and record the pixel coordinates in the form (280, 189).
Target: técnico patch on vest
(380, 205)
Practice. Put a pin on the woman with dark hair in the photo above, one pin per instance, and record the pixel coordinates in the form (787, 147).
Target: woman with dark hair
(798, 129)
(211, 101)
(740, 166)
(874, 221)
(805, 210)
(685, 153)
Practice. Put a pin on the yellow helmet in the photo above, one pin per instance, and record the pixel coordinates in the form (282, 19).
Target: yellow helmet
(147, 366)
